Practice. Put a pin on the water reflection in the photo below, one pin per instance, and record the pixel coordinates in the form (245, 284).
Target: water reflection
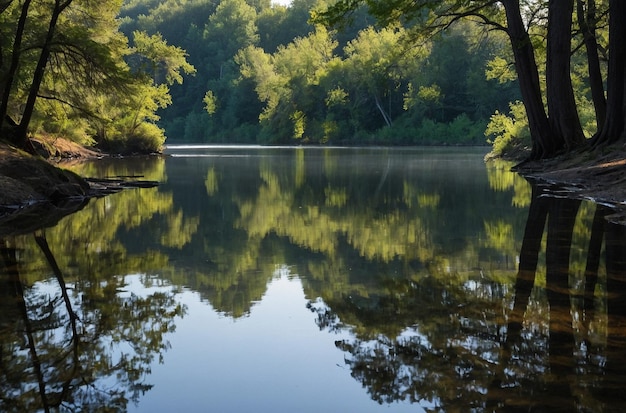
(447, 286)
(553, 341)
(76, 345)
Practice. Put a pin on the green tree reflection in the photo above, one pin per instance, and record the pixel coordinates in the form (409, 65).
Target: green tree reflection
(75, 348)
(416, 257)
(547, 341)
(337, 216)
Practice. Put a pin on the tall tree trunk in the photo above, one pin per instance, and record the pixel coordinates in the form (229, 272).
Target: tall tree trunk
(613, 129)
(562, 113)
(15, 60)
(587, 23)
(528, 77)
(40, 69)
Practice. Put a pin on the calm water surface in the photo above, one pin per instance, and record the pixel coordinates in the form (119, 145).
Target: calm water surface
(316, 280)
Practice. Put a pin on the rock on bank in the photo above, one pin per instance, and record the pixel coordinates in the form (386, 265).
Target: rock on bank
(34, 192)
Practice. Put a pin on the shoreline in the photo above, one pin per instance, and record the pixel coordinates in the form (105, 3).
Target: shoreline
(601, 179)
(36, 191)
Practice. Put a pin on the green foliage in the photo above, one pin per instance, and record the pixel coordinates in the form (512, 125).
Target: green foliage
(166, 63)
(210, 102)
(508, 133)
(501, 70)
(460, 131)
(266, 74)
(95, 89)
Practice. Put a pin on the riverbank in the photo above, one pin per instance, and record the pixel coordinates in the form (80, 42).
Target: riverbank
(599, 177)
(34, 193)
(27, 179)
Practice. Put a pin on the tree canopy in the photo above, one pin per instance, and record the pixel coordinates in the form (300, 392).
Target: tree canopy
(538, 31)
(66, 69)
(274, 76)
(515, 73)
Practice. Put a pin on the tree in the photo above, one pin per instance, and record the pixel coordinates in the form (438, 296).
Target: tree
(375, 63)
(9, 76)
(38, 75)
(553, 132)
(166, 63)
(587, 22)
(528, 76)
(231, 28)
(287, 82)
(67, 60)
(564, 120)
(614, 126)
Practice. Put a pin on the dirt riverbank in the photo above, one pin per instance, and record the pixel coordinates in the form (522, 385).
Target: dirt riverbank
(599, 177)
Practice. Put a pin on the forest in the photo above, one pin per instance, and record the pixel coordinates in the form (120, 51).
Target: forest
(128, 74)
(266, 74)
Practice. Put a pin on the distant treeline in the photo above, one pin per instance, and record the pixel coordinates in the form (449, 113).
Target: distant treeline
(265, 74)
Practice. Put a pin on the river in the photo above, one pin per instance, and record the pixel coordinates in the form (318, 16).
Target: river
(290, 279)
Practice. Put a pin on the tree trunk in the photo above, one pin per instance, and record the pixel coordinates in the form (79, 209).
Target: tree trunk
(528, 76)
(587, 24)
(15, 60)
(38, 75)
(380, 108)
(613, 129)
(562, 112)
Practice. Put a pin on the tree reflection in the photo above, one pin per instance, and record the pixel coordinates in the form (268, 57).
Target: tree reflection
(79, 346)
(438, 317)
(555, 340)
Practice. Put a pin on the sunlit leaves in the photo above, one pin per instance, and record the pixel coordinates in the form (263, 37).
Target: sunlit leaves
(166, 63)
(376, 62)
(507, 132)
(501, 70)
(210, 102)
(336, 96)
(255, 63)
(285, 80)
(306, 57)
(88, 91)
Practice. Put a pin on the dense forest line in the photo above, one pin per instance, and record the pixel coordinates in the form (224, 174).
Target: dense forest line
(127, 73)
(266, 74)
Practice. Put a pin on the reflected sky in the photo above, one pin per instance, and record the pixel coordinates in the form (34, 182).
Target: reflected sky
(284, 363)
